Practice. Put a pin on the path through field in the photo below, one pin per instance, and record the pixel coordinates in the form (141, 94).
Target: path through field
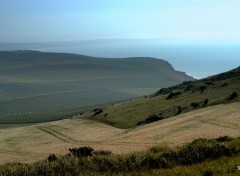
(34, 142)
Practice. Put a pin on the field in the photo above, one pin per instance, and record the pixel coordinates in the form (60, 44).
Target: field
(35, 84)
(33, 142)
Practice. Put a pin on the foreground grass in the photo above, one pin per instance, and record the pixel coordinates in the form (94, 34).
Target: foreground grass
(201, 157)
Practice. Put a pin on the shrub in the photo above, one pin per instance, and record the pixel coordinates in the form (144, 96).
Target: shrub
(202, 149)
(102, 152)
(172, 95)
(232, 96)
(202, 88)
(81, 152)
(205, 102)
(179, 110)
(209, 83)
(224, 139)
(189, 87)
(194, 104)
(224, 84)
(163, 91)
(52, 157)
(150, 119)
(207, 173)
(97, 111)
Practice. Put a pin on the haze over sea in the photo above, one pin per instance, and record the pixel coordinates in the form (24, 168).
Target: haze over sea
(199, 37)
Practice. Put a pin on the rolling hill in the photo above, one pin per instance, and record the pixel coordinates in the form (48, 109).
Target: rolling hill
(172, 101)
(37, 86)
(218, 117)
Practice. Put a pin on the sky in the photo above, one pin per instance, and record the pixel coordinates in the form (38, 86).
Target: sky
(66, 20)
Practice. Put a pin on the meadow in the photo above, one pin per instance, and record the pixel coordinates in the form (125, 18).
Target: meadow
(35, 86)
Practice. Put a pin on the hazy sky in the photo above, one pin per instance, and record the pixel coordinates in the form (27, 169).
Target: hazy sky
(61, 20)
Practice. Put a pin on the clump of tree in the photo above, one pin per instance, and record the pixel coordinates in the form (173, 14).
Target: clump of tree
(205, 102)
(224, 84)
(179, 110)
(150, 119)
(232, 96)
(52, 157)
(194, 104)
(81, 152)
(189, 87)
(97, 111)
(173, 95)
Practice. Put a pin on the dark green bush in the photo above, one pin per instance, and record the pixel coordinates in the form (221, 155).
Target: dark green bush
(81, 152)
(173, 95)
(207, 173)
(224, 139)
(232, 96)
(150, 119)
(194, 104)
(202, 149)
(97, 111)
(52, 157)
(205, 102)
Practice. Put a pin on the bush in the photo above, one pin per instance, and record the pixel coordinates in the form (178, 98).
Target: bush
(232, 96)
(179, 110)
(207, 173)
(189, 87)
(194, 104)
(81, 152)
(205, 102)
(202, 149)
(172, 95)
(202, 88)
(150, 119)
(224, 139)
(102, 152)
(97, 111)
(52, 157)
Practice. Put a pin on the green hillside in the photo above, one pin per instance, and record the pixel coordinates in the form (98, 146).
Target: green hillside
(167, 102)
(40, 85)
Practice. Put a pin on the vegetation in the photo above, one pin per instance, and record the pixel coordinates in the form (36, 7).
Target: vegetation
(155, 160)
(52, 82)
(172, 101)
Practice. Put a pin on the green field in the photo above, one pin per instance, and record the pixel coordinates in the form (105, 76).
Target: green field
(36, 85)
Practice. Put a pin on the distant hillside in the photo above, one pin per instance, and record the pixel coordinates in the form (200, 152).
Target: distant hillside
(34, 82)
(167, 102)
(84, 67)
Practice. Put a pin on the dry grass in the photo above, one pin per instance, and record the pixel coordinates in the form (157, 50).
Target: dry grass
(34, 142)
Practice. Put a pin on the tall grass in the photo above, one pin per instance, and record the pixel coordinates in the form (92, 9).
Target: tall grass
(105, 163)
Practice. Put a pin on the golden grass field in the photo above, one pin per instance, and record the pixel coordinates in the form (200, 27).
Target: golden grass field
(34, 142)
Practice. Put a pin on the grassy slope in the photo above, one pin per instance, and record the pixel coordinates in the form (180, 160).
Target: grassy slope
(37, 141)
(218, 89)
(201, 157)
